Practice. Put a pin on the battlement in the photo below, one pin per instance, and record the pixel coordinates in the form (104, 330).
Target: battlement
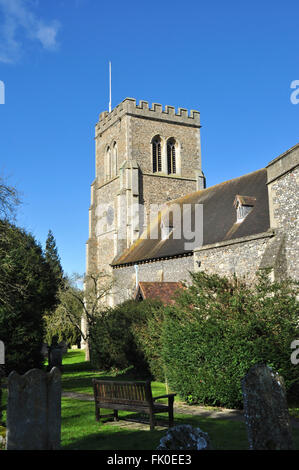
(130, 107)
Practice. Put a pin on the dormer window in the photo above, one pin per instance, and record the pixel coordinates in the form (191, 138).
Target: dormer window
(243, 206)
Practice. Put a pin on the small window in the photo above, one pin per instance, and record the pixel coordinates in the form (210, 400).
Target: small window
(243, 206)
(156, 155)
(242, 212)
(171, 157)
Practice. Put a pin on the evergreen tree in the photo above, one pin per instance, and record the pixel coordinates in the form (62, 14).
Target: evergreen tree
(27, 291)
(53, 259)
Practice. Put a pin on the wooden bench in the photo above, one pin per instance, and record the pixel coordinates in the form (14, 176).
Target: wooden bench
(130, 396)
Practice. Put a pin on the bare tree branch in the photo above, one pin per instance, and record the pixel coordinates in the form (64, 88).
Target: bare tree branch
(77, 303)
(9, 200)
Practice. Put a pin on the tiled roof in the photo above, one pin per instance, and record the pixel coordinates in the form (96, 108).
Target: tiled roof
(219, 219)
(244, 200)
(164, 291)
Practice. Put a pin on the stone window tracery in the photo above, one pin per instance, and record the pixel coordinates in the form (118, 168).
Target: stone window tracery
(108, 163)
(156, 154)
(171, 156)
(115, 160)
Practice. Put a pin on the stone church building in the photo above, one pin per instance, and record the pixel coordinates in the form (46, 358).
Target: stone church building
(152, 219)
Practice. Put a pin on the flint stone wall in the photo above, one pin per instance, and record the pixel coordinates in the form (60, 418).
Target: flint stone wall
(284, 214)
(169, 270)
(241, 257)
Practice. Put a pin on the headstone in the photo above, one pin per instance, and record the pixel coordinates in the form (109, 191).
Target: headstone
(34, 410)
(185, 437)
(55, 357)
(63, 347)
(55, 353)
(266, 410)
(44, 350)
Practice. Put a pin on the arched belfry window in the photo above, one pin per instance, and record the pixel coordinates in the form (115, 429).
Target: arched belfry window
(171, 156)
(115, 160)
(108, 163)
(156, 154)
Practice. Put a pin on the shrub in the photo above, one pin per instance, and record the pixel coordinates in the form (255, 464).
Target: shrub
(219, 328)
(112, 340)
(148, 335)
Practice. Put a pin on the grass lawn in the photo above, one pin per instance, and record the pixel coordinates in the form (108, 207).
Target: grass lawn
(80, 431)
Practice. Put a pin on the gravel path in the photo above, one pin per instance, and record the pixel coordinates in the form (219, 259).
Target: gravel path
(182, 408)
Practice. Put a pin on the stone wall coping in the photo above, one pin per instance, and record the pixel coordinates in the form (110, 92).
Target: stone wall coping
(172, 176)
(130, 107)
(160, 175)
(269, 233)
(282, 164)
(107, 182)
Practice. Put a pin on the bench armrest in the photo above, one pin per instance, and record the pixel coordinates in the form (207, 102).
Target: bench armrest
(165, 396)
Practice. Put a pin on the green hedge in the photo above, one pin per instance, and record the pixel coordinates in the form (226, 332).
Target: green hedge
(113, 344)
(219, 328)
(205, 343)
(148, 335)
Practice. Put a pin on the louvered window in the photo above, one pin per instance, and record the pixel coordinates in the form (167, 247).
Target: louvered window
(157, 158)
(243, 206)
(242, 212)
(171, 163)
(115, 160)
(108, 164)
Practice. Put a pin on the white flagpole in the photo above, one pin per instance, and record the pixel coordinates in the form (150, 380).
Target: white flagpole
(109, 87)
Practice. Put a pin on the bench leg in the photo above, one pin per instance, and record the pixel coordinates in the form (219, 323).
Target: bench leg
(170, 412)
(170, 418)
(152, 421)
(97, 413)
(115, 412)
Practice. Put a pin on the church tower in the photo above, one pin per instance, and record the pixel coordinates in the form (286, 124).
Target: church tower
(144, 155)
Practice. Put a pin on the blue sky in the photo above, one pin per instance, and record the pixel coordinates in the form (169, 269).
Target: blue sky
(233, 61)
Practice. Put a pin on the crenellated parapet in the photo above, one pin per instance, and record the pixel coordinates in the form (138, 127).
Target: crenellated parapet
(143, 110)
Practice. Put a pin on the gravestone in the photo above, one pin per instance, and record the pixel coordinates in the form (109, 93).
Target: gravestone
(184, 437)
(34, 410)
(44, 350)
(266, 410)
(55, 352)
(63, 347)
(55, 357)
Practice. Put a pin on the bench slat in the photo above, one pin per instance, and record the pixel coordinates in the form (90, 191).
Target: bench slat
(130, 396)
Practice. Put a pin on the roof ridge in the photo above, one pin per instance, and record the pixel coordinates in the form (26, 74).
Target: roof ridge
(201, 191)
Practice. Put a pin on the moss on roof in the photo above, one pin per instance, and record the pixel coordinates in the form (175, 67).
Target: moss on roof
(219, 219)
